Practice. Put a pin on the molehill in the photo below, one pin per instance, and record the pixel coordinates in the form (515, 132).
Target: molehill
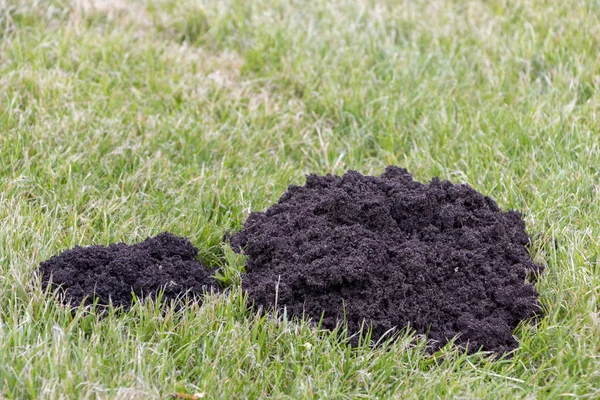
(111, 274)
(390, 252)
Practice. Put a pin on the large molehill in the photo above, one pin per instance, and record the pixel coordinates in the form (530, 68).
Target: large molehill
(392, 252)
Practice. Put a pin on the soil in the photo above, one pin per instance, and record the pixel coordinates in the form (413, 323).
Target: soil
(111, 274)
(392, 253)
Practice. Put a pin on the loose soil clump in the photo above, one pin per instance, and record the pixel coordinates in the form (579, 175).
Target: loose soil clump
(111, 274)
(392, 252)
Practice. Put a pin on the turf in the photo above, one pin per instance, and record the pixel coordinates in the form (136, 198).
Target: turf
(120, 120)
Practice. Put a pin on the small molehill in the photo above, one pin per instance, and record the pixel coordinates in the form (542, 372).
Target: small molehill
(112, 273)
(393, 252)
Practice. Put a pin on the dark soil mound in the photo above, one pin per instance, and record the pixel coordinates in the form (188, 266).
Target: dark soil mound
(391, 252)
(165, 262)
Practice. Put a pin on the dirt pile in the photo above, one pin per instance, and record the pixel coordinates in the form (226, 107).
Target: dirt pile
(391, 252)
(165, 262)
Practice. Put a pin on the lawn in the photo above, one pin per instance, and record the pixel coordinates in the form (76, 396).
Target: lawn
(123, 119)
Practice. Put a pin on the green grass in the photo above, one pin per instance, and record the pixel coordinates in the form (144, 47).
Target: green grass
(121, 119)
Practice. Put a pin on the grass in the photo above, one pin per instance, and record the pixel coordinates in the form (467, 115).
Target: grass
(122, 119)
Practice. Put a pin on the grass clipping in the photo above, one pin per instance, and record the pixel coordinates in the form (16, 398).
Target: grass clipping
(391, 252)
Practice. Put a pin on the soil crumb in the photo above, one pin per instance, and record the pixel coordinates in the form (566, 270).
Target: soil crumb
(112, 273)
(392, 252)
